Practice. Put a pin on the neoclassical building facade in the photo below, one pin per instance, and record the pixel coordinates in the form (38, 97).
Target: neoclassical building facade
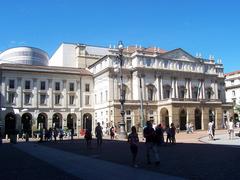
(80, 86)
(232, 86)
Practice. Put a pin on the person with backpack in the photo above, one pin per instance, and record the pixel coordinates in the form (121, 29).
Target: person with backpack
(133, 141)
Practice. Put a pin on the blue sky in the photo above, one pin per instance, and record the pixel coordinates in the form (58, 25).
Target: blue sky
(203, 26)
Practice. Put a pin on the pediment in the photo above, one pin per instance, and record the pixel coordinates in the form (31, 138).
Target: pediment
(179, 54)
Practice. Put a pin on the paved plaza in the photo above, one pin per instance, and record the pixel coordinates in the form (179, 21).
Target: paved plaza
(193, 157)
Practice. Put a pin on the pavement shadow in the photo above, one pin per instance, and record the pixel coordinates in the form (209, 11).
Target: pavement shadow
(192, 161)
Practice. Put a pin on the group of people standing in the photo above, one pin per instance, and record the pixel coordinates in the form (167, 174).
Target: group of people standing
(55, 133)
(153, 139)
(98, 133)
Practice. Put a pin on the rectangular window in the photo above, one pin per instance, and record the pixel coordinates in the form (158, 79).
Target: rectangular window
(101, 97)
(42, 85)
(11, 84)
(106, 93)
(11, 97)
(57, 99)
(148, 62)
(71, 86)
(87, 100)
(71, 99)
(27, 98)
(57, 86)
(27, 84)
(87, 87)
(95, 99)
(43, 99)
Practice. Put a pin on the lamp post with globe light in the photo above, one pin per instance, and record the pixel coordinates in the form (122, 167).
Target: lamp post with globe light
(122, 132)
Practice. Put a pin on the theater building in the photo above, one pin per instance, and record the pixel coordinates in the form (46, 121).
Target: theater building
(80, 86)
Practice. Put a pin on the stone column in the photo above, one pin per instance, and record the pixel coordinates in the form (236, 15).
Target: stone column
(187, 88)
(3, 92)
(19, 92)
(78, 93)
(65, 94)
(216, 90)
(35, 93)
(161, 88)
(172, 88)
(203, 89)
(50, 93)
(176, 88)
(190, 89)
(144, 88)
(218, 117)
(158, 88)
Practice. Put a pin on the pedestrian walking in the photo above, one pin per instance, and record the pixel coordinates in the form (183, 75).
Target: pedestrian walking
(61, 134)
(55, 134)
(72, 133)
(149, 134)
(210, 130)
(50, 133)
(99, 134)
(159, 135)
(230, 128)
(112, 132)
(173, 133)
(213, 129)
(133, 141)
(88, 138)
(167, 129)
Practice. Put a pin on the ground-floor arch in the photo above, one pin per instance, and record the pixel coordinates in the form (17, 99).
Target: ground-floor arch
(42, 121)
(164, 116)
(57, 120)
(27, 123)
(87, 121)
(71, 121)
(198, 119)
(183, 119)
(10, 123)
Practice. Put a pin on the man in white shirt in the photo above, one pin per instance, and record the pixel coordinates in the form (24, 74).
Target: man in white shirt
(210, 130)
(230, 128)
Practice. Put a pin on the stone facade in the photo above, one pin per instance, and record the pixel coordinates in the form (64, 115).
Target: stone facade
(82, 87)
(232, 85)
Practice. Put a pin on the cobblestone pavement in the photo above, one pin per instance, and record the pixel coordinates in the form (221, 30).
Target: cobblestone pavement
(190, 158)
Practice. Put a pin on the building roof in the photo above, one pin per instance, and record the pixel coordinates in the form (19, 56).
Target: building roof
(232, 73)
(45, 69)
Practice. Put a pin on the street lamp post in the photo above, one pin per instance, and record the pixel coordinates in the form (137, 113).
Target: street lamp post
(122, 132)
